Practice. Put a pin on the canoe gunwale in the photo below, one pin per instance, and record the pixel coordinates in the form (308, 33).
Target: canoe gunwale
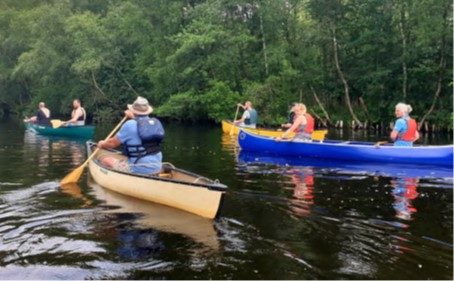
(216, 186)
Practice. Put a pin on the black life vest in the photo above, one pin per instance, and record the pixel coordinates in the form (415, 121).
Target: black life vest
(151, 134)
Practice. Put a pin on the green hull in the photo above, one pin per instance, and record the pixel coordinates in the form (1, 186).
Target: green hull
(70, 132)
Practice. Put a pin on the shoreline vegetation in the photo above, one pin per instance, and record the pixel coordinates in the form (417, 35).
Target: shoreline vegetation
(349, 61)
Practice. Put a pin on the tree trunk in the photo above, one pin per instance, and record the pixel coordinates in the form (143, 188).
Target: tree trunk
(320, 104)
(101, 91)
(403, 37)
(320, 119)
(442, 68)
(344, 81)
(126, 81)
(265, 58)
(363, 105)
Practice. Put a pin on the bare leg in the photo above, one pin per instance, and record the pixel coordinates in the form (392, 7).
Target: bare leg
(109, 161)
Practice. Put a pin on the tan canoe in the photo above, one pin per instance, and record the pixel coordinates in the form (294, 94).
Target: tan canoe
(227, 127)
(177, 188)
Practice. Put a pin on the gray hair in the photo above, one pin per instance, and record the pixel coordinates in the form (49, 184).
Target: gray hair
(406, 108)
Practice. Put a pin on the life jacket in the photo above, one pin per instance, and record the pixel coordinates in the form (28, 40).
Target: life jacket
(410, 134)
(253, 117)
(151, 134)
(310, 123)
(309, 127)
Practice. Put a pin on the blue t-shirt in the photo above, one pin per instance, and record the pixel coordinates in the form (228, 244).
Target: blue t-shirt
(128, 134)
(401, 127)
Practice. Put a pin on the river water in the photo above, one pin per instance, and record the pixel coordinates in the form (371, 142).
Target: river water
(281, 218)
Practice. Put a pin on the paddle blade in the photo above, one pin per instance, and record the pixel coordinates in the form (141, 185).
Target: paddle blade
(73, 177)
(56, 123)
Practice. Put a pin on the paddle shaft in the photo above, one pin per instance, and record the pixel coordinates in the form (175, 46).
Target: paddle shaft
(234, 119)
(108, 137)
(75, 174)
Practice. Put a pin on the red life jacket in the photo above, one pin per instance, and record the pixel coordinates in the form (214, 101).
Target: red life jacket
(410, 134)
(310, 123)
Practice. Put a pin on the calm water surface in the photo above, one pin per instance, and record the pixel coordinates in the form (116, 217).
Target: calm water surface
(282, 218)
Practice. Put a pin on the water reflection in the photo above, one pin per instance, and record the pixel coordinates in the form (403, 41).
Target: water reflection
(404, 192)
(51, 151)
(159, 217)
(303, 190)
(351, 167)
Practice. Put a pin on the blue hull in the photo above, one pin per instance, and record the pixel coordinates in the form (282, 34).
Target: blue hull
(350, 151)
(343, 167)
(86, 132)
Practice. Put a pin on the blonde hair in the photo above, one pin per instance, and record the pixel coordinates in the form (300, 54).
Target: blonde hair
(301, 106)
(405, 108)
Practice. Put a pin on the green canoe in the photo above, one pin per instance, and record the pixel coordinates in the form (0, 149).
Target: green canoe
(70, 131)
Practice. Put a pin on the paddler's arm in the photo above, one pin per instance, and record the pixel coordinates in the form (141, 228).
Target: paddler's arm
(114, 141)
(394, 134)
(292, 128)
(416, 136)
(73, 120)
(110, 143)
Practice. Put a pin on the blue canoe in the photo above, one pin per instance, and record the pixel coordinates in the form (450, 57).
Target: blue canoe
(350, 150)
(86, 132)
(356, 167)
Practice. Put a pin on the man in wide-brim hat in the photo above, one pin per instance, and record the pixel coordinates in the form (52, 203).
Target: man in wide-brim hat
(143, 156)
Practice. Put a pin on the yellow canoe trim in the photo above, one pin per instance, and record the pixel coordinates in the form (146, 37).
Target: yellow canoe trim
(227, 126)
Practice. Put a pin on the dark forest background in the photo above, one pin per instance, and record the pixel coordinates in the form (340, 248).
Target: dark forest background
(350, 60)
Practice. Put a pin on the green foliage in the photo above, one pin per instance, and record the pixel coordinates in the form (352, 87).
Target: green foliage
(196, 59)
(219, 102)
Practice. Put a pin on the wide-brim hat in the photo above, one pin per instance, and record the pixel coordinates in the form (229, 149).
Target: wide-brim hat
(140, 106)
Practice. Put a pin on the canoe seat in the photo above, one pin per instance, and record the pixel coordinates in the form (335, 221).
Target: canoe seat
(165, 175)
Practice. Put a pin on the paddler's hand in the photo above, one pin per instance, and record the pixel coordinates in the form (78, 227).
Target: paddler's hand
(101, 143)
(129, 114)
(277, 139)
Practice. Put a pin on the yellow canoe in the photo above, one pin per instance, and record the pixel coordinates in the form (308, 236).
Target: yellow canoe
(227, 127)
(176, 188)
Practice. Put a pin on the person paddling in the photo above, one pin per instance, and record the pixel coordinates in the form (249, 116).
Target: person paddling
(250, 117)
(291, 116)
(78, 115)
(141, 138)
(303, 125)
(42, 116)
(405, 131)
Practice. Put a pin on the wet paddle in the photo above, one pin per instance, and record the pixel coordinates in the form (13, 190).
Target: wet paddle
(233, 123)
(74, 176)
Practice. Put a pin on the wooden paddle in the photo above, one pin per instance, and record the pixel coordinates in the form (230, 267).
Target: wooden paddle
(56, 123)
(233, 123)
(74, 176)
(378, 143)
